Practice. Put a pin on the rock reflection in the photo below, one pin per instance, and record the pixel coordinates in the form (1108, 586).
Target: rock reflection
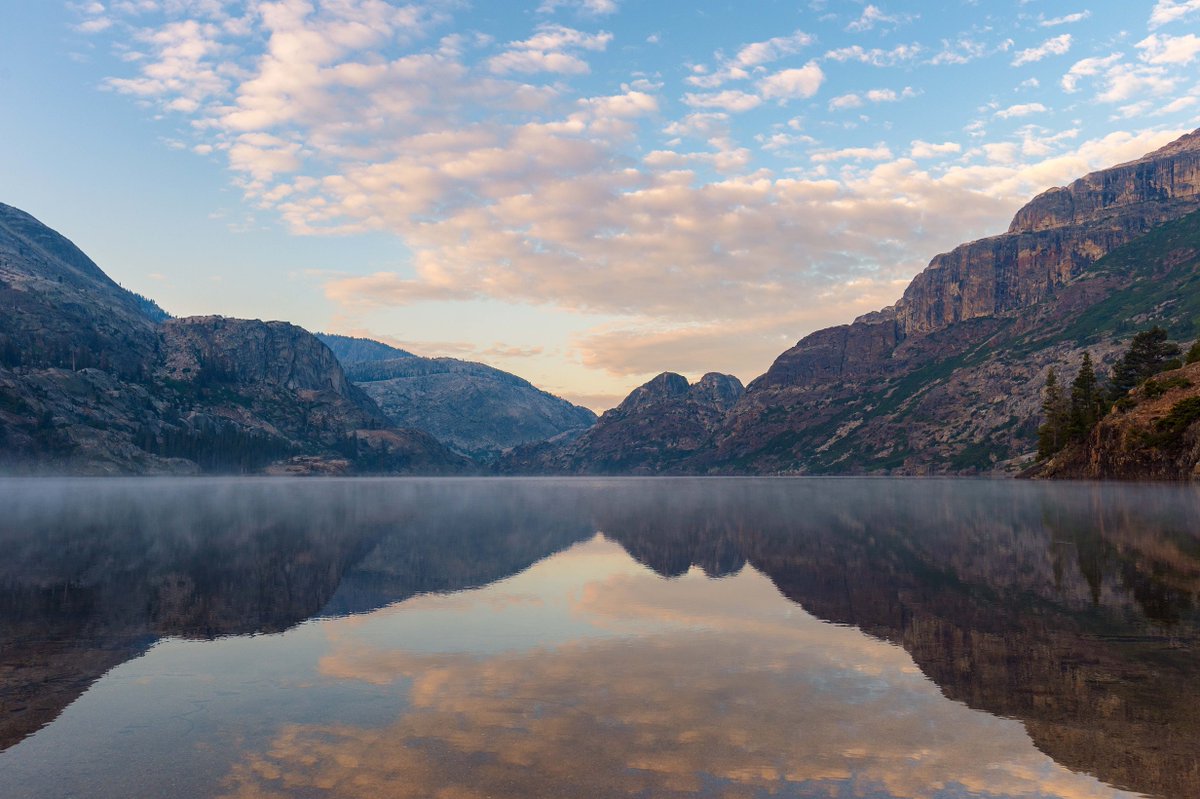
(1068, 613)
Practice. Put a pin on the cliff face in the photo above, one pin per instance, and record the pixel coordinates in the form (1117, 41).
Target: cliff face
(657, 427)
(1153, 436)
(949, 379)
(472, 407)
(1054, 238)
(91, 382)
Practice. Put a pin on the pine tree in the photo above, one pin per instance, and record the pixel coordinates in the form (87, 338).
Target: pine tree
(1193, 354)
(1052, 435)
(1147, 355)
(1086, 401)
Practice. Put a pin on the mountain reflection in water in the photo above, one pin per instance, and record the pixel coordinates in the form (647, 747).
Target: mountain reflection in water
(523, 638)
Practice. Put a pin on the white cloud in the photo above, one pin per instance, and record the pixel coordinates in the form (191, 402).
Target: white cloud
(1163, 49)
(544, 51)
(1086, 68)
(1021, 110)
(879, 152)
(844, 101)
(966, 49)
(924, 149)
(875, 56)
(1065, 20)
(1059, 45)
(592, 7)
(750, 58)
(732, 100)
(790, 84)
(872, 16)
(853, 100)
(1168, 11)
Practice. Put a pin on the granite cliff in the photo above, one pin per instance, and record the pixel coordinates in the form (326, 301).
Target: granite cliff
(473, 408)
(948, 379)
(96, 380)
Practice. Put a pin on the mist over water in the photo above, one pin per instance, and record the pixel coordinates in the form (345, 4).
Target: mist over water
(592, 637)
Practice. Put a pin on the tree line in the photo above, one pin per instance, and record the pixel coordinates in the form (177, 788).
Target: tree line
(1070, 414)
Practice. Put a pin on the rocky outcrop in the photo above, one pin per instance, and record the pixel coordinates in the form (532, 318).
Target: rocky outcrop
(1154, 434)
(657, 427)
(473, 408)
(948, 380)
(96, 380)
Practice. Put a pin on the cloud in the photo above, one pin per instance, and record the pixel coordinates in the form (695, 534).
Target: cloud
(1168, 11)
(1056, 46)
(1065, 20)
(875, 56)
(750, 58)
(1021, 110)
(791, 84)
(924, 149)
(1087, 67)
(873, 16)
(732, 100)
(544, 51)
(1162, 49)
(872, 96)
(966, 49)
(591, 7)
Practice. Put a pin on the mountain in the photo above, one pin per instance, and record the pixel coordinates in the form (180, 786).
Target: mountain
(96, 380)
(471, 407)
(350, 350)
(657, 427)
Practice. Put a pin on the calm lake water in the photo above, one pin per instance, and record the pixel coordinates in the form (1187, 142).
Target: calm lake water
(462, 639)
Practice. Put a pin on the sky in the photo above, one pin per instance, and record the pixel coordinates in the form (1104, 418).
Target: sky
(583, 192)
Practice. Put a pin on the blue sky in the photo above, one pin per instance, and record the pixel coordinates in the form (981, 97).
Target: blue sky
(584, 192)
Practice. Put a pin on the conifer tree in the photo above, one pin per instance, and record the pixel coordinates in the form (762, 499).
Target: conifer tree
(1086, 401)
(1147, 355)
(1052, 435)
(1193, 354)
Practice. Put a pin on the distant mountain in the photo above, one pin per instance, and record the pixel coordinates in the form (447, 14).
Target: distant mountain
(350, 350)
(473, 408)
(656, 428)
(94, 380)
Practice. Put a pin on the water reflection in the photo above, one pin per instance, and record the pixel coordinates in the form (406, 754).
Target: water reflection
(562, 638)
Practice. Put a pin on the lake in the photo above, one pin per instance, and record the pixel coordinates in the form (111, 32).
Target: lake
(461, 639)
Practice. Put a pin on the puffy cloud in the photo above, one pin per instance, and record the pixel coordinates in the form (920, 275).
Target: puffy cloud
(924, 149)
(873, 16)
(872, 96)
(750, 58)
(544, 51)
(1086, 68)
(1168, 11)
(1163, 49)
(1059, 45)
(790, 84)
(1021, 110)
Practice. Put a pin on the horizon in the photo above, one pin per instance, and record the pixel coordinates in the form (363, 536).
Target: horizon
(414, 174)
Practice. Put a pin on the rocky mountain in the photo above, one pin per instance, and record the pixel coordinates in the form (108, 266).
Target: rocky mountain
(656, 428)
(473, 408)
(1153, 434)
(949, 378)
(95, 380)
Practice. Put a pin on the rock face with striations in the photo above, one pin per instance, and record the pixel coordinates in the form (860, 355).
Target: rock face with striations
(95, 380)
(473, 408)
(657, 427)
(949, 378)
